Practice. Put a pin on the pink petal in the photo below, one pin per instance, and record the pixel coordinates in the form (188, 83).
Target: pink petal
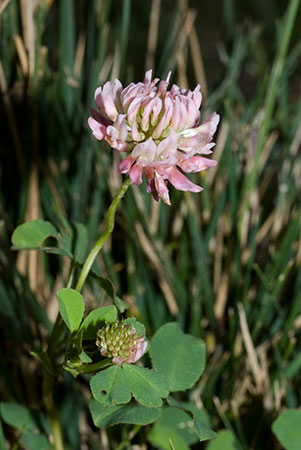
(100, 118)
(136, 174)
(116, 88)
(128, 94)
(148, 77)
(98, 130)
(109, 107)
(138, 351)
(125, 165)
(164, 84)
(192, 113)
(120, 124)
(180, 182)
(151, 189)
(118, 145)
(168, 76)
(145, 152)
(161, 188)
(193, 141)
(167, 149)
(135, 132)
(117, 360)
(149, 172)
(204, 149)
(134, 107)
(207, 127)
(112, 133)
(197, 96)
(165, 120)
(176, 114)
(196, 164)
(98, 98)
(183, 116)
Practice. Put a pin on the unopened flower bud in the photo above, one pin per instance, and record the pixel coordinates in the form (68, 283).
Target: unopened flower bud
(121, 342)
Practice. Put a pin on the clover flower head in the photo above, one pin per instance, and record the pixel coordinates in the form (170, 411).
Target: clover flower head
(158, 129)
(121, 342)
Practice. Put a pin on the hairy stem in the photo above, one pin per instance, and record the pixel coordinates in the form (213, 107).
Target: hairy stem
(103, 238)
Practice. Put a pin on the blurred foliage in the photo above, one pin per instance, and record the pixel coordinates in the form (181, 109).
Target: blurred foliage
(224, 264)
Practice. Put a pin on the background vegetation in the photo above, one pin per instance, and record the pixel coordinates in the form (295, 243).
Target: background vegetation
(225, 264)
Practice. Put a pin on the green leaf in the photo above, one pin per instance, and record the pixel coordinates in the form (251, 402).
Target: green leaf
(84, 357)
(108, 287)
(33, 441)
(225, 440)
(18, 416)
(46, 361)
(121, 304)
(2, 438)
(117, 384)
(95, 319)
(81, 242)
(31, 235)
(110, 386)
(161, 436)
(178, 356)
(71, 307)
(287, 428)
(132, 413)
(184, 425)
(147, 386)
(73, 241)
(179, 421)
(204, 433)
(193, 411)
(139, 327)
(191, 422)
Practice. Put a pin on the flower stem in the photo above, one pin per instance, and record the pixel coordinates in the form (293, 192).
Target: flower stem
(127, 440)
(103, 238)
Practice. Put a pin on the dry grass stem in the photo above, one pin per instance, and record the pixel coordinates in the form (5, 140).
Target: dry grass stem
(218, 150)
(22, 55)
(150, 252)
(154, 217)
(197, 59)
(251, 352)
(28, 26)
(3, 6)
(116, 63)
(11, 120)
(79, 55)
(222, 296)
(152, 34)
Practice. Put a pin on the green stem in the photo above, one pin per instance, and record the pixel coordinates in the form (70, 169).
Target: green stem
(48, 384)
(94, 367)
(56, 429)
(103, 238)
(127, 441)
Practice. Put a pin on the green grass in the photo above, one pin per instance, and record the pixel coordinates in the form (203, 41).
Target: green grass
(238, 242)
